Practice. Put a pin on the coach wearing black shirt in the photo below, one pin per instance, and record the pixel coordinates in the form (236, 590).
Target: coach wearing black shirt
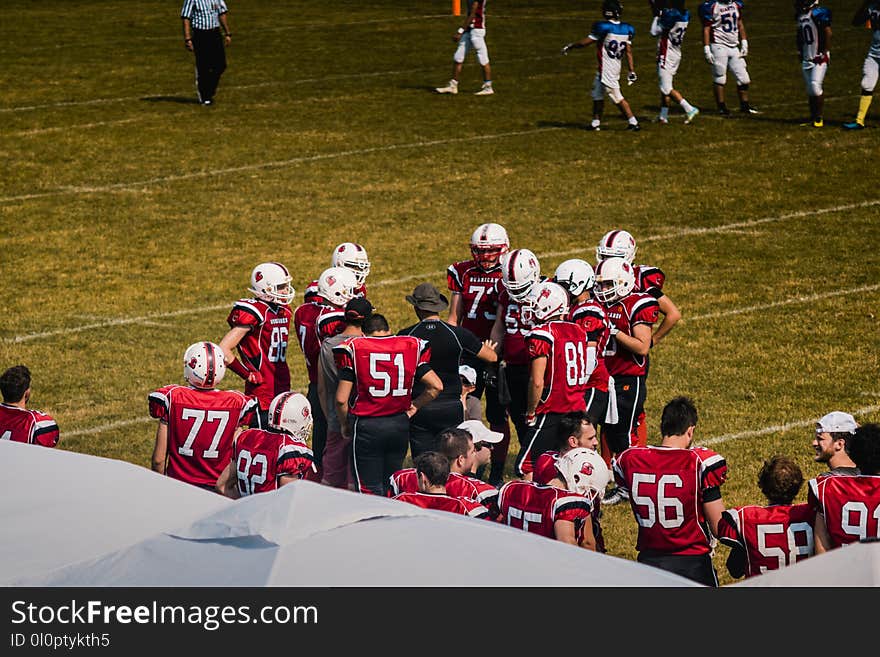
(448, 343)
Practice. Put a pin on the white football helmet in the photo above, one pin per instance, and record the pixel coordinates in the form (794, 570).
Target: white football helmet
(488, 243)
(270, 281)
(520, 270)
(291, 413)
(544, 300)
(337, 285)
(584, 471)
(615, 279)
(575, 275)
(616, 244)
(352, 256)
(203, 365)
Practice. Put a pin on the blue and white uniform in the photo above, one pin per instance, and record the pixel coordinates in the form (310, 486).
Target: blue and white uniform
(670, 27)
(611, 39)
(872, 62)
(811, 43)
(723, 20)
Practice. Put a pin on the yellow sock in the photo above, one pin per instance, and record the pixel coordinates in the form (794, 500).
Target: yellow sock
(864, 104)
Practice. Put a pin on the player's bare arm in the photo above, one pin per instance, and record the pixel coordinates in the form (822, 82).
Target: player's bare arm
(821, 535)
(639, 342)
(227, 33)
(564, 531)
(671, 315)
(629, 57)
(343, 393)
(227, 482)
(433, 387)
(536, 386)
(187, 34)
(498, 331)
(160, 449)
(588, 539)
(454, 310)
(712, 511)
(582, 43)
(227, 344)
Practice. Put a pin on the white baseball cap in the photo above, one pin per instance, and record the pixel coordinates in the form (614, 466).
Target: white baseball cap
(480, 432)
(837, 422)
(468, 373)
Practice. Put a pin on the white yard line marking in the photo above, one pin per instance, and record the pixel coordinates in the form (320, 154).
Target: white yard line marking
(427, 276)
(778, 428)
(135, 185)
(65, 128)
(106, 427)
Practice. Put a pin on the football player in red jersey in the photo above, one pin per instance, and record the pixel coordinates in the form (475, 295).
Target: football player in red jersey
(475, 285)
(259, 330)
(376, 377)
(765, 538)
(18, 423)
(560, 366)
(575, 430)
(197, 422)
(432, 471)
(577, 277)
(460, 448)
(520, 271)
(350, 256)
(675, 493)
(630, 318)
(830, 442)
(560, 510)
(848, 508)
(266, 460)
(649, 280)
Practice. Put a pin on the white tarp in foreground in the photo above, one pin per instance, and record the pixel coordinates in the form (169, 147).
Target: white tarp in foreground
(60, 507)
(857, 564)
(310, 535)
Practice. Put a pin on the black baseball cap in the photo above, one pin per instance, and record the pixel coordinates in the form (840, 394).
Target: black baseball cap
(358, 308)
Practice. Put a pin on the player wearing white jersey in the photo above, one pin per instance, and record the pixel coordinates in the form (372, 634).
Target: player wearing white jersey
(867, 14)
(725, 46)
(613, 41)
(814, 44)
(669, 26)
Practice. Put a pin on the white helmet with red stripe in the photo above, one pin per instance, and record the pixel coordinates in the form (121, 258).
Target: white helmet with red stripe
(616, 244)
(584, 471)
(203, 365)
(291, 413)
(337, 285)
(352, 256)
(545, 301)
(488, 243)
(615, 279)
(270, 281)
(575, 275)
(520, 270)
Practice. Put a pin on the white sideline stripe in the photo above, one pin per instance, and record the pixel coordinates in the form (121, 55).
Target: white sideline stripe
(393, 281)
(107, 427)
(786, 302)
(81, 126)
(776, 428)
(276, 164)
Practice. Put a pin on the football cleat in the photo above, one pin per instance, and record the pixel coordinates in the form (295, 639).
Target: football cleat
(486, 90)
(691, 115)
(749, 109)
(451, 88)
(634, 127)
(662, 120)
(615, 496)
(853, 125)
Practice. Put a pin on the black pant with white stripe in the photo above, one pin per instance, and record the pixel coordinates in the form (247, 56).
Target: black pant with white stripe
(210, 61)
(539, 439)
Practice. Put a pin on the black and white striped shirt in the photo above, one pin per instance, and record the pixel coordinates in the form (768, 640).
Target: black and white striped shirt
(203, 14)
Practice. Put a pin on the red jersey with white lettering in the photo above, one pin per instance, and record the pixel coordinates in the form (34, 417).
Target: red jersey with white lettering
(513, 348)
(564, 345)
(649, 280)
(590, 316)
(479, 21)
(201, 424)
(305, 320)
(330, 322)
(440, 502)
(457, 485)
(479, 292)
(635, 309)
(264, 347)
(771, 537)
(533, 508)
(383, 370)
(311, 294)
(24, 425)
(667, 489)
(261, 458)
(851, 506)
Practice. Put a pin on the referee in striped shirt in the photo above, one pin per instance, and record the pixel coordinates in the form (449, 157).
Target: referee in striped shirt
(202, 20)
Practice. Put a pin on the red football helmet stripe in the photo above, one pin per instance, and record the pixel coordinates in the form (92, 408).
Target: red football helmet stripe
(211, 366)
(610, 239)
(283, 268)
(276, 418)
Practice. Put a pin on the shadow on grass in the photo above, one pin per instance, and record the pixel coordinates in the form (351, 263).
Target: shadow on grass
(568, 125)
(184, 100)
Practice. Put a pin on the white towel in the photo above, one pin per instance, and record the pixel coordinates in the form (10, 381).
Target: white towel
(611, 413)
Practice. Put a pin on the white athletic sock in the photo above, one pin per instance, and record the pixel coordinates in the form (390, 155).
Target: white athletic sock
(686, 106)
(664, 112)
(633, 120)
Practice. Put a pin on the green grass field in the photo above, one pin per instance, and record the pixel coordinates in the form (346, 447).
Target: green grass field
(131, 216)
